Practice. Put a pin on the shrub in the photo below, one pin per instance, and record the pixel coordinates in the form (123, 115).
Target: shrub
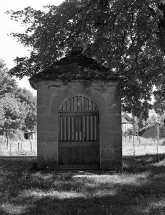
(17, 135)
(2, 139)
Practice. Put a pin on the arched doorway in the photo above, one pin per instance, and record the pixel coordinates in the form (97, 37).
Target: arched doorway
(78, 140)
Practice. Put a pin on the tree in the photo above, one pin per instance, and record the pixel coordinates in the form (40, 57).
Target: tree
(13, 115)
(17, 106)
(125, 35)
(29, 103)
(7, 84)
(159, 103)
(12, 112)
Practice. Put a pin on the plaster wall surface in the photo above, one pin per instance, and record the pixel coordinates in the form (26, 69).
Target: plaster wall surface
(50, 95)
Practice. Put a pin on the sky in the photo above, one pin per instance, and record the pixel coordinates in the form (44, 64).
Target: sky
(9, 47)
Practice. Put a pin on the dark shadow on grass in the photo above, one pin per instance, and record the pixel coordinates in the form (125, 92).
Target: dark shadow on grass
(140, 189)
(134, 164)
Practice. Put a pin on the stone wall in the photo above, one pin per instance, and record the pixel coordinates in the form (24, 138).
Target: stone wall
(50, 94)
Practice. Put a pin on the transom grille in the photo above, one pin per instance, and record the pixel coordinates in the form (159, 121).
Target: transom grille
(78, 103)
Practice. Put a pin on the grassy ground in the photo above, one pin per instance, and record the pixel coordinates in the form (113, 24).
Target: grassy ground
(139, 189)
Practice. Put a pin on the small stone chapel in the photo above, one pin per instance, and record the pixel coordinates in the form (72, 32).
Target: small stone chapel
(78, 115)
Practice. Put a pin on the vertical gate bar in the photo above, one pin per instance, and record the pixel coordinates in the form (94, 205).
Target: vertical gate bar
(86, 127)
(97, 127)
(59, 128)
(77, 104)
(86, 137)
(62, 128)
(93, 117)
(89, 128)
(66, 128)
(71, 128)
(78, 128)
(81, 128)
(74, 128)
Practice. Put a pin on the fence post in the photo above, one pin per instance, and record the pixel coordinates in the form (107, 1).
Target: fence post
(157, 132)
(7, 140)
(18, 147)
(134, 140)
(31, 146)
(21, 147)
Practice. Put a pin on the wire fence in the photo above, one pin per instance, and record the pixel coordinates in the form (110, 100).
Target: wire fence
(149, 140)
(14, 148)
(135, 142)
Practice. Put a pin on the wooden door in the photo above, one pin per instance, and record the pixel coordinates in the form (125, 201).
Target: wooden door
(78, 133)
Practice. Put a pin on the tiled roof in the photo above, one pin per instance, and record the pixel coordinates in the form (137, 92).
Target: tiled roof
(76, 66)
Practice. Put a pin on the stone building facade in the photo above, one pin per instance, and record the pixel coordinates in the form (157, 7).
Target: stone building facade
(105, 118)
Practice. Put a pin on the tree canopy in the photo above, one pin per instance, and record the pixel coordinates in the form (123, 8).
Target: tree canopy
(17, 106)
(127, 36)
(7, 84)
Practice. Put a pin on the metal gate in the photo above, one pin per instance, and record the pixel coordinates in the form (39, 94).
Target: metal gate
(78, 133)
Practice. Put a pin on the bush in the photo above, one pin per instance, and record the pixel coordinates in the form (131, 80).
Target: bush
(130, 132)
(17, 135)
(2, 139)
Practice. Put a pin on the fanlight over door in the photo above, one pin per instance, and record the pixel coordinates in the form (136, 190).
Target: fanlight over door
(78, 132)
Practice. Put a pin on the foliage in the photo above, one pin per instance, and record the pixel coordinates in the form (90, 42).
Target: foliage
(17, 135)
(26, 98)
(125, 35)
(159, 103)
(153, 119)
(17, 106)
(13, 116)
(7, 84)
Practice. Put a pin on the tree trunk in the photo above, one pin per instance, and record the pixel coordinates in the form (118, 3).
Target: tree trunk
(7, 139)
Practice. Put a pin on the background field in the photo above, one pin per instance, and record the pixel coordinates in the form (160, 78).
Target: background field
(142, 146)
(130, 147)
(15, 148)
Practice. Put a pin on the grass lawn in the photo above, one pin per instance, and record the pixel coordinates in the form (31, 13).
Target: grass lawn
(139, 189)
